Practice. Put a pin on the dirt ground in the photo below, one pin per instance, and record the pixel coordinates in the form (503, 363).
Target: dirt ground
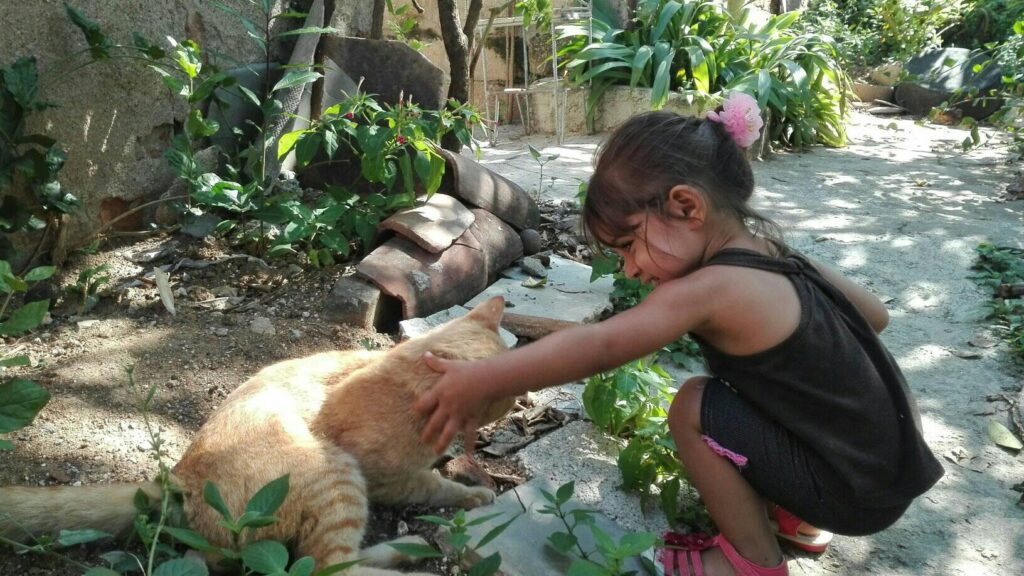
(900, 209)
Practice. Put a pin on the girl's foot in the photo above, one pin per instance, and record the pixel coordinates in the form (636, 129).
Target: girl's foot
(798, 533)
(701, 555)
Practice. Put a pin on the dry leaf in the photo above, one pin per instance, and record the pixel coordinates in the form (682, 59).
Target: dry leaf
(532, 282)
(163, 285)
(1002, 436)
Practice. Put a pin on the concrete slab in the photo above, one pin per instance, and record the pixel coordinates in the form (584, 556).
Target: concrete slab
(524, 544)
(568, 294)
(581, 452)
(419, 326)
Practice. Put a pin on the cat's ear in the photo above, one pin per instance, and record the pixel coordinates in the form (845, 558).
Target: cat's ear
(489, 312)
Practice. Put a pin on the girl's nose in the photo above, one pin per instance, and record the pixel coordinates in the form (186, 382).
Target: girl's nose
(629, 268)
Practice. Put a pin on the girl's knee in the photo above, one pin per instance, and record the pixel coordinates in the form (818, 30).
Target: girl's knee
(684, 413)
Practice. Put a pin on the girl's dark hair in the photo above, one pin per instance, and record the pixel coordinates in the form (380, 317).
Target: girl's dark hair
(649, 154)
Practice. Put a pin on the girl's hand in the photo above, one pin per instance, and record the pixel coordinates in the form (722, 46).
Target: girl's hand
(454, 403)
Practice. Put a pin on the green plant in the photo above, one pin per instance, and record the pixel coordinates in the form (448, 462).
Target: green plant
(907, 28)
(854, 27)
(1001, 269)
(20, 400)
(541, 159)
(608, 557)
(459, 540)
(29, 315)
(535, 13)
(700, 50)
(402, 24)
(90, 280)
(28, 161)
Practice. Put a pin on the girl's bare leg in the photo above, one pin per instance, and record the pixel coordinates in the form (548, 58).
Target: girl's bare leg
(738, 511)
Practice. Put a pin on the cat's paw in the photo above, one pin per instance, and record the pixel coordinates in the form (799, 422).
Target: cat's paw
(476, 496)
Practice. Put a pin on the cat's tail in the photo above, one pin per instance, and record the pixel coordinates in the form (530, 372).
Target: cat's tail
(27, 511)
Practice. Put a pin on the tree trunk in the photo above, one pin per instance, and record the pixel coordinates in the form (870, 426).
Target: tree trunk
(377, 20)
(458, 61)
(469, 28)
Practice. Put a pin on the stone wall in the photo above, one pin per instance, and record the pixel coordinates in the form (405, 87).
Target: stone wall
(115, 118)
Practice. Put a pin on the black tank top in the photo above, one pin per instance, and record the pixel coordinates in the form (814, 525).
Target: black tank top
(834, 385)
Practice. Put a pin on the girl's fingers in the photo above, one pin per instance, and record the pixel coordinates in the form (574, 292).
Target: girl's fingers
(434, 426)
(450, 430)
(469, 433)
(426, 402)
(434, 363)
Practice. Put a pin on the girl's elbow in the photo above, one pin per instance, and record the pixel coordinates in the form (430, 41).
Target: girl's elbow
(880, 319)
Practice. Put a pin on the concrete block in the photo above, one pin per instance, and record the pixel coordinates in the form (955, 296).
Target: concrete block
(353, 301)
(416, 327)
(568, 294)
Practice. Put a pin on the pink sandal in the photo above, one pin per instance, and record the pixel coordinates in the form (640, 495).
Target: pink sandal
(787, 529)
(682, 552)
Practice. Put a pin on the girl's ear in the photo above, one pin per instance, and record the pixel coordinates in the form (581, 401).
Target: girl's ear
(686, 202)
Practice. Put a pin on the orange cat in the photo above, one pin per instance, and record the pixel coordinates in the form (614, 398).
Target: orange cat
(339, 423)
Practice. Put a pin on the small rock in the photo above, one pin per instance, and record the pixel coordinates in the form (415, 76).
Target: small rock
(60, 476)
(222, 332)
(225, 292)
(181, 292)
(86, 324)
(294, 269)
(262, 325)
(402, 528)
(533, 267)
(533, 242)
(296, 334)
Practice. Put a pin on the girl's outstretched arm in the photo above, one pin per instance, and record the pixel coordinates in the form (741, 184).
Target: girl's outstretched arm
(457, 401)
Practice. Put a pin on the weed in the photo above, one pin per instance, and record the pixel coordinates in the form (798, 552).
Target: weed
(609, 557)
(1002, 268)
(85, 289)
(459, 540)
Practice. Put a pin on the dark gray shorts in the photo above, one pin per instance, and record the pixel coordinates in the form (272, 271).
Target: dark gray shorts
(783, 469)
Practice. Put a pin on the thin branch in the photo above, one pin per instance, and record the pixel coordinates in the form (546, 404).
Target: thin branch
(124, 215)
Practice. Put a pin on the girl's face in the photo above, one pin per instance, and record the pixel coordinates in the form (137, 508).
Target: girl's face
(659, 249)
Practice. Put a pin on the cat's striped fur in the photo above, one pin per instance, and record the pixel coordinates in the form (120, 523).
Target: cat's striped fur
(339, 423)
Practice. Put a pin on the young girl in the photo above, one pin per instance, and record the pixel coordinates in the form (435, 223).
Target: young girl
(805, 414)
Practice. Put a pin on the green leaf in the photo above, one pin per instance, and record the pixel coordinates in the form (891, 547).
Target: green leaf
(1002, 436)
(296, 78)
(487, 566)
(416, 550)
(635, 544)
(15, 361)
(330, 142)
(189, 538)
(75, 537)
(288, 141)
(148, 49)
(269, 498)
(21, 81)
(40, 273)
(435, 520)
(309, 30)
(495, 532)
(211, 495)
(630, 461)
(182, 567)
(563, 542)
(99, 46)
(11, 283)
(266, 556)
(5, 446)
(307, 148)
(25, 318)
(458, 540)
(581, 567)
(565, 492)
(281, 250)
(335, 568)
(100, 571)
(198, 127)
(303, 567)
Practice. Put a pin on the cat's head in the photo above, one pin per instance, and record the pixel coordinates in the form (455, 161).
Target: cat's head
(470, 337)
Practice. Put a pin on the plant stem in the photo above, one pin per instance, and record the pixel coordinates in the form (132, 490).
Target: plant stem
(6, 302)
(44, 552)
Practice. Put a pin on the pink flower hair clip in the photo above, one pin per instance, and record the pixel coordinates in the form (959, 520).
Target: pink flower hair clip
(741, 118)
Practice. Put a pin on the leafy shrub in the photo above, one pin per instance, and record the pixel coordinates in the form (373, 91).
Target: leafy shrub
(1000, 266)
(853, 25)
(698, 49)
(909, 27)
(984, 22)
